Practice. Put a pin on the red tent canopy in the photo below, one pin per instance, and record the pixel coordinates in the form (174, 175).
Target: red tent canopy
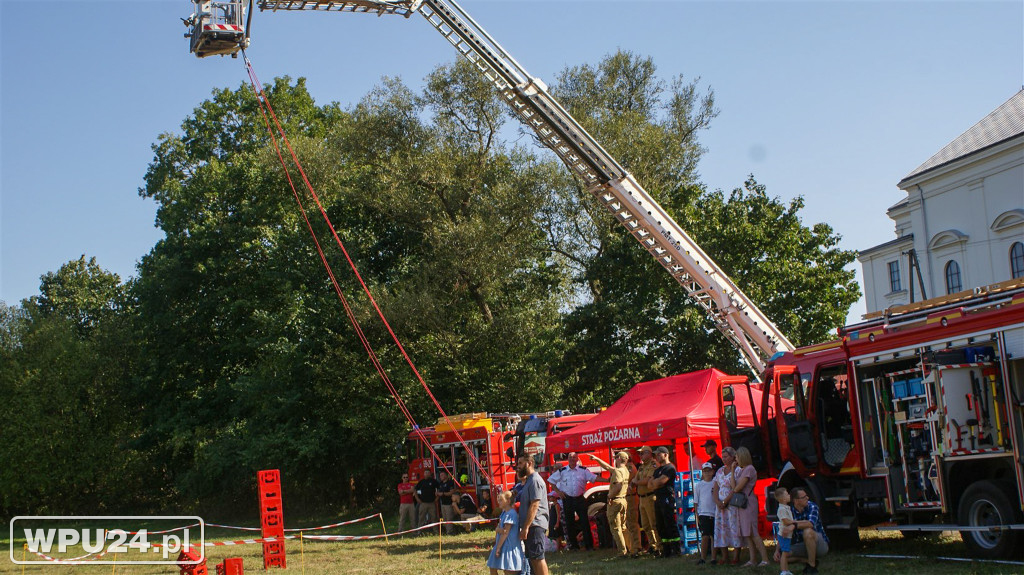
(657, 412)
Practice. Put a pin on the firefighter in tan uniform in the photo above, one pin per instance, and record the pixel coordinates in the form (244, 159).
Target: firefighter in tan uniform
(618, 487)
(647, 516)
(633, 512)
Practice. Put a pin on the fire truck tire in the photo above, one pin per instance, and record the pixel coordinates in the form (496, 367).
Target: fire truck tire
(988, 503)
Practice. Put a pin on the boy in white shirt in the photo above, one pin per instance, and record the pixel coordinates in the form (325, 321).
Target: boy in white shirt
(705, 499)
(786, 528)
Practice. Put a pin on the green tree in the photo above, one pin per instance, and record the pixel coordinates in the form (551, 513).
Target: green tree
(631, 321)
(81, 292)
(249, 359)
(229, 339)
(66, 359)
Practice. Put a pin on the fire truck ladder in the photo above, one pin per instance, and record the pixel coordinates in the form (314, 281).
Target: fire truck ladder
(728, 308)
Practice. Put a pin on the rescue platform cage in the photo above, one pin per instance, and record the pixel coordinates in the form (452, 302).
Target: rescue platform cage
(218, 28)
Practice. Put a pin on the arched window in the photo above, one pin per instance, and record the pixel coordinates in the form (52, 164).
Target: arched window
(1017, 260)
(953, 283)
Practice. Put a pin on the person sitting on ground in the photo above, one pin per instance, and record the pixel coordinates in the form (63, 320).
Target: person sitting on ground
(809, 542)
(786, 528)
(484, 507)
(466, 508)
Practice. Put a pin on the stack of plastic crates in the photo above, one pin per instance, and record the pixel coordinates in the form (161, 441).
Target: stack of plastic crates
(686, 514)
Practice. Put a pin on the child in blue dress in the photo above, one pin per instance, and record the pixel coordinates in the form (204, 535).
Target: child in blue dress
(507, 554)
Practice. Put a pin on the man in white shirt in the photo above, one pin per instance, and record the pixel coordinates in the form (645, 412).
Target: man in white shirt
(569, 483)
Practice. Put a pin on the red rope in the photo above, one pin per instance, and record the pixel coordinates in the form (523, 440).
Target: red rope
(265, 108)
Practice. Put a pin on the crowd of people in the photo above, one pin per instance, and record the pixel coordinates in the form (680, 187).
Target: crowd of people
(420, 499)
(536, 517)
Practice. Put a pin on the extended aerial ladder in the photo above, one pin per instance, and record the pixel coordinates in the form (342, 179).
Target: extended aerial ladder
(731, 311)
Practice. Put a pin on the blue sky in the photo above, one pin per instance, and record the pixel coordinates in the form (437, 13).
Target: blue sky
(834, 101)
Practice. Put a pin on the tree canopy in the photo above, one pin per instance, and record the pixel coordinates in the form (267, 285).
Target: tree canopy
(509, 287)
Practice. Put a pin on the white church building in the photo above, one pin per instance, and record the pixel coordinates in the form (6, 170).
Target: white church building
(961, 224)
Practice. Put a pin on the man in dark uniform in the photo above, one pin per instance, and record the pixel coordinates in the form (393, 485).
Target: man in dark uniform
(426, 497)
(663, 484)
(445, 490)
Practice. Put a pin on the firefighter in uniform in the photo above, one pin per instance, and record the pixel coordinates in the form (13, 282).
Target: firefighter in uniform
(643, 475)
(663, 484)
(632, 511)
(617, 494)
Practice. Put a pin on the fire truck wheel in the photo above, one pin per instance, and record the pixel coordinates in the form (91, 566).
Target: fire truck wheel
(983, 504)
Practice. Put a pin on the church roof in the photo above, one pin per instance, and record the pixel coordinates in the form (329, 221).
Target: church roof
(1003, 123)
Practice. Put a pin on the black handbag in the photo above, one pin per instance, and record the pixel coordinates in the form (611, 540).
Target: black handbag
(738, 500)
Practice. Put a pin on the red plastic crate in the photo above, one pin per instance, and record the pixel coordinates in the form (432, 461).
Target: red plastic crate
(191, 554)
(269, 477)
(271, 519)
(273, 547)
(274, 561)
(273, 555)
(233, 566)
(270, 491)
(271, 522)
(271, 505)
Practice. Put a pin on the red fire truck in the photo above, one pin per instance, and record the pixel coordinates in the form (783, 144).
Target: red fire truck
(490, 438)
(886, 422)
(911, 420)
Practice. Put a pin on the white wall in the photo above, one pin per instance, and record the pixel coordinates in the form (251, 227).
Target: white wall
(951, 212)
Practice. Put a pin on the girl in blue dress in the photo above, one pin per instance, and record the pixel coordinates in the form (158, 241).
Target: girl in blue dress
(507, 554)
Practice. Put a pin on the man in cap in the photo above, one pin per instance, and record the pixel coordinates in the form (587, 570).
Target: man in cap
(704, 498)
(618, 487)
(647, 515)
(711, 448)
(663, 484)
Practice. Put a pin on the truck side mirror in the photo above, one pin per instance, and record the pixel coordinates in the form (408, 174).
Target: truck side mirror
(727, 394)
(730, 415)
(511, 453)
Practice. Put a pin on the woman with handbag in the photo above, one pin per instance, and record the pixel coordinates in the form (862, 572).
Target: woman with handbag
(745, 478)
(727, 534)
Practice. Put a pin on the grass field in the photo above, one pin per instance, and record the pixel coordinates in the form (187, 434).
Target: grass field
(465, 553)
